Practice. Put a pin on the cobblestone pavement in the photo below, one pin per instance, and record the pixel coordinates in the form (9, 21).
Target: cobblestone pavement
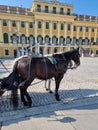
(77, 84)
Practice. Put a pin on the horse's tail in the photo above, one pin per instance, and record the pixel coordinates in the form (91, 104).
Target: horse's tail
(14, 92)
(14, 98)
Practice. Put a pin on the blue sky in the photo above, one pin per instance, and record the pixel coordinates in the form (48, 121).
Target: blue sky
(86, 7)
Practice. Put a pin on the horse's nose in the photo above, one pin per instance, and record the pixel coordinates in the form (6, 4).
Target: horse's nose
(78, 64)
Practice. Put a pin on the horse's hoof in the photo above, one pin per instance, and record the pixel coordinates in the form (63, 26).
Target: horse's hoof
(30, 105)
(25, 103)
(50, 91)
(47, 89)
(58, 99)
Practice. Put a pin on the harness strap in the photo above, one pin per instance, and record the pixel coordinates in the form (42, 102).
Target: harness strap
(29, 67)
(4, 66)
(45, 71)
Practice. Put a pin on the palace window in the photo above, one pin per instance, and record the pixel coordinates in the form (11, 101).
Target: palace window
(39, 25)
(30, 25)
(68, 40)
(97, 52)
(62, 26)
(38, 8)
(54, 26)
(46, 9)
(97, 39)
(92, 39)
(4, 22)
(5, 38)
(47, 39)
(92, 29)
(74, 28)
(31, 39)
(74, 40)
(68, 27)
(81, 28)
(86, 40)
(61, 40)
(47, 25)
(86, 29)
(68, 11)
(14, 38)
(23, 39)
(61, 11)
(80, 40)
(14, 23)
(40, 39)
(6, 52)
(22, 24)
(54, 40)
(54, 10)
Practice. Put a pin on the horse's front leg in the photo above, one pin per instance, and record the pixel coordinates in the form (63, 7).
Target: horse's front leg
(22, 95)
(49, 86)
(57, 82)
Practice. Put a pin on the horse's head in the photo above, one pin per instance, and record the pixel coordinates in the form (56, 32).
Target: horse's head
(2, 88)
(76, 58)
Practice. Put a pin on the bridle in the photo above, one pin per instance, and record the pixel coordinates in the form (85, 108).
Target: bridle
(70, 65)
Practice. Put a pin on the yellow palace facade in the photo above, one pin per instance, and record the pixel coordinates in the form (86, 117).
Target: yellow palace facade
(47, 27)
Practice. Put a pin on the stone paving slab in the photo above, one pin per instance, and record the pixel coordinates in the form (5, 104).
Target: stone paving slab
(34, 111)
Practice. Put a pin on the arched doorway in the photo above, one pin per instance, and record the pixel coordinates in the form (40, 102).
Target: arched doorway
(61, 40)
(47, 39)
(31, 40)
(14, 39)
(54, 40)
(23, 39)
(40, 39)
(68, 40)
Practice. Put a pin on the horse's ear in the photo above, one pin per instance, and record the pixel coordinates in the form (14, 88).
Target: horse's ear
(78, 48)
(80, 51)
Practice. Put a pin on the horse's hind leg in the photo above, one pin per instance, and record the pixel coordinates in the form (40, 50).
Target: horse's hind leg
(25, 98)
(57, 81)
(22, 95)
(28, 98)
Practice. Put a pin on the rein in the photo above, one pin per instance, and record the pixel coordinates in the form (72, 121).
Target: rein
(46, 72)
(4, 66)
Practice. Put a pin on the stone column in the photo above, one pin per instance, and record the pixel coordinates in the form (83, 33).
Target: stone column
(27, 26)
(89, 34)
(45, 48)
(95, 37)
(51, 27)
(43, 31)
(35, 29)
(1, 35)
(65, 31)
(58, 31)
(10, 33)
(37, 49)
(72, 32)
(83, 32)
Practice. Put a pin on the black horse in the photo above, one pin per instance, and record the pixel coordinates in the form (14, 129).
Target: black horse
(28, 68)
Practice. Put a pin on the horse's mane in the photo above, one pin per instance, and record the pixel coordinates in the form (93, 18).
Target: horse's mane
(67, 54)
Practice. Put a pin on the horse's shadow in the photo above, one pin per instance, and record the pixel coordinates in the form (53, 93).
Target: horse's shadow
(41, 99)
(45, 98)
